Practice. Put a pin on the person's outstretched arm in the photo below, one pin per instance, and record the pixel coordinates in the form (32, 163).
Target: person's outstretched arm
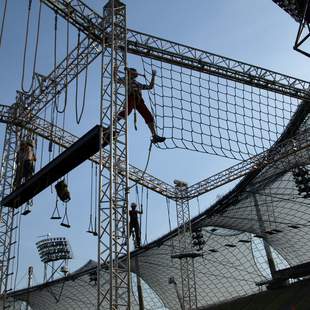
(152, 83)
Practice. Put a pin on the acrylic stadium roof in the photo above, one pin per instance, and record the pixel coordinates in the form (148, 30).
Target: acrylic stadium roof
(231, 265)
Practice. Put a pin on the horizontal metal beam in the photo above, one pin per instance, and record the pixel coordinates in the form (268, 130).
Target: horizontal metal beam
(65, 139)
(138, 43)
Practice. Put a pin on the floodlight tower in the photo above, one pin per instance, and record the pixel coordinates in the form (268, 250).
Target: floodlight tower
(52, 250)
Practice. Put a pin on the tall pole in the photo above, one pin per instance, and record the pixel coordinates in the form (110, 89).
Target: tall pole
(184, 247)
(30, 273)
(262, 228)
(113, 234)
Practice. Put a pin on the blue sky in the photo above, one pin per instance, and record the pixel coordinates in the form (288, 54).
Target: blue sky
(253, 31)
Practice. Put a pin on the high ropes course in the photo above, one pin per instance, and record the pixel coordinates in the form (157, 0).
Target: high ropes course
(255, 237)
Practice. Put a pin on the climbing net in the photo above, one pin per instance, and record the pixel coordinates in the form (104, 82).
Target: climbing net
(206, 113)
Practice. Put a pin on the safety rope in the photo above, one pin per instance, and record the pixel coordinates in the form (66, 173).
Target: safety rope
(96, 201)
(90, 225)
(78, 116)
(145, 168)
(3, 20)
(67, 69)
(146, 217)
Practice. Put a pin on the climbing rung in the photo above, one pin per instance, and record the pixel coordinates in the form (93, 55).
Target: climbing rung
(76, 154)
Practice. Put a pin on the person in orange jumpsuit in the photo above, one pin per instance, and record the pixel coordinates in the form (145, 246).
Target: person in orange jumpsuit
(136, 101)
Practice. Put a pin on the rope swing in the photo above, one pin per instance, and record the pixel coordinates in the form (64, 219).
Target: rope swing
(78, 116)
(26, 47)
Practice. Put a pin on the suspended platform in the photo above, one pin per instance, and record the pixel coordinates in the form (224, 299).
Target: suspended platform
(76, 154)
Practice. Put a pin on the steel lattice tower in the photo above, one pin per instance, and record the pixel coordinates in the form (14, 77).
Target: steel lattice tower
(184, 246)
(113, 187)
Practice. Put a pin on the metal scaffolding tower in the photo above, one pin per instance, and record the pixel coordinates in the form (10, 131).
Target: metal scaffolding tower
(113, 187)
(184, 247)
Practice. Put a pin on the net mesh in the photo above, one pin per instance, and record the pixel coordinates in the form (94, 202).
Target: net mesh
(205, 113)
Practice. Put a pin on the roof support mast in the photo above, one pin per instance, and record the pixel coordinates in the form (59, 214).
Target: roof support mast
(184, 248)
(113, 234)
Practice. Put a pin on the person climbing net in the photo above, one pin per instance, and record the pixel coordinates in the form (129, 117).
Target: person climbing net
(136, 101)
(134, 227)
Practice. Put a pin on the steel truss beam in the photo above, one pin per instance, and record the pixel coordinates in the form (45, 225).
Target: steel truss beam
(138, 43)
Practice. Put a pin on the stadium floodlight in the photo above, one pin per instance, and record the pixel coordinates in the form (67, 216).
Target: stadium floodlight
(54, 249)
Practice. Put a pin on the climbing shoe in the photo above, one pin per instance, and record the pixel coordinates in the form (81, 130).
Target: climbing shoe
(158, 139)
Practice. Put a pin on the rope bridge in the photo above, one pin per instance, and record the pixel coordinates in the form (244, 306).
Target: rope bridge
(213, 115)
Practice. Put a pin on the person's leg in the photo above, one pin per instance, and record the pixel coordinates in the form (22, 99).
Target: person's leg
(138, 236)
(18, 175)
(131, 104)
(27, 169)
(130, 229)
(149, 120)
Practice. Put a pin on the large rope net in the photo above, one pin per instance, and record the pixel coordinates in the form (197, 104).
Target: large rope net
(210, 114)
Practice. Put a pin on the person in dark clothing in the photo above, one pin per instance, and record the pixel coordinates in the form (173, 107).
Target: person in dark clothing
(25, 161)
(135, 101)
(134, 226)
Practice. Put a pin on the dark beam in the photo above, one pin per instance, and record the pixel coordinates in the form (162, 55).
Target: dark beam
(76, 154)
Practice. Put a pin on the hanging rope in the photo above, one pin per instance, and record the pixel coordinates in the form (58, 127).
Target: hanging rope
(146, 217)
(95, 233)
(78, 116)
(56, 213)
(169, 222)
(168, 211)
(146, 166)
(67, 70)
(198, 204)
(3, 20)
(26, 47)
(90, 225)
